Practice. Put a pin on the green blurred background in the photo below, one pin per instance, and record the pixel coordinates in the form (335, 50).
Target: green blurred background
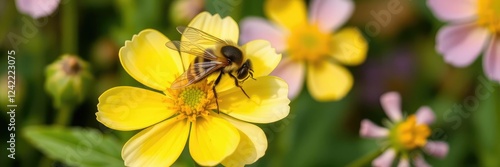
(401, 58)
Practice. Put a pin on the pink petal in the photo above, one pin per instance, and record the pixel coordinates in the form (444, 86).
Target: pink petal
(419, 161)
(437, 148)
(491, 60)
(330, 14)
(461, 44)
(403, 162)
(425, 115)
(37, 8)
(293, 73)
(391, 102)
(253, 28)
(385, 160)
(453, 10)
(369, 130)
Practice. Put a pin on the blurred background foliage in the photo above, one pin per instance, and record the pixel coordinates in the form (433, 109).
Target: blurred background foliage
(402, 57)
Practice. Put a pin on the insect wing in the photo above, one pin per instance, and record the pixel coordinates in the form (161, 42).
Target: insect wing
(198, 36)
(191, 48)
(196, 72)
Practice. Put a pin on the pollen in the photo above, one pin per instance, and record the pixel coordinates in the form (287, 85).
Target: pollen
(489, 14)
(192, 96)
(193, 101)
(409, 135)
(308, 43)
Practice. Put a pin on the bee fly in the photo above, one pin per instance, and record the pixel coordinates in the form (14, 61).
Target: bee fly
(224, 57)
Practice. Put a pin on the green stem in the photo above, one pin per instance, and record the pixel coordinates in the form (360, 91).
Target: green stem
(64, 116)
(69, 27)
(366, 160)
(496, 97)
(127, 12)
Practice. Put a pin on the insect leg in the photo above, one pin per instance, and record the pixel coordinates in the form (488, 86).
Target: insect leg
(215, 93)
(238, 85)
(251, 76)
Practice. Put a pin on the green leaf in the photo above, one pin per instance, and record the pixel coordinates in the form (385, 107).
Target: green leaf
(75, 146)
(485, 121)
(224, 7)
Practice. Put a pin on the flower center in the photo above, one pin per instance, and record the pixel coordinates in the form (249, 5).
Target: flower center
(489, 14)
(409, 135)
(192, 96)
(307, 42)
(193, 101)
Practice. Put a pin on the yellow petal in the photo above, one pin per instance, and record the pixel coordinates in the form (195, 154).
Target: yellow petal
(327, 81)
(212, 139)
(159, 145)
(225, 29)
(268, 100)
(349, 47)
(129, 108)
(149, 61)
(263, 57)
(264, 60)
(287, 13)
(252, 146)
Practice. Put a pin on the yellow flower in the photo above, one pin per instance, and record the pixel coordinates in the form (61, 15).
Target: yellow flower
(173, 117)
(314, 43)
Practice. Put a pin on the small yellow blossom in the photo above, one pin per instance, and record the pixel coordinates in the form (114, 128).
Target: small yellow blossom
(406, 138)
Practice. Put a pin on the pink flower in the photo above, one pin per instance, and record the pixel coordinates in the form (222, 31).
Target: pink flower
(183, 11)
(474, 26)
(406, 137)
(311, 40)
(37, 8)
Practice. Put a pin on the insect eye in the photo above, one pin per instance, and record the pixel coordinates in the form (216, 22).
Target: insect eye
(249, 64)
(242, 73)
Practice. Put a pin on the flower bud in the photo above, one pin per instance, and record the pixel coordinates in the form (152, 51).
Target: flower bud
(182, 11)
(68, 81)
(104, 54)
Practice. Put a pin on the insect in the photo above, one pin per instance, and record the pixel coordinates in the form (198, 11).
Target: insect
(222, 57)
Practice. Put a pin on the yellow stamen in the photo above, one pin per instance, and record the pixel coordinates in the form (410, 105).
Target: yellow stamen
(489, 14)
(193, 101)
(409, 135)
(308, 43)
